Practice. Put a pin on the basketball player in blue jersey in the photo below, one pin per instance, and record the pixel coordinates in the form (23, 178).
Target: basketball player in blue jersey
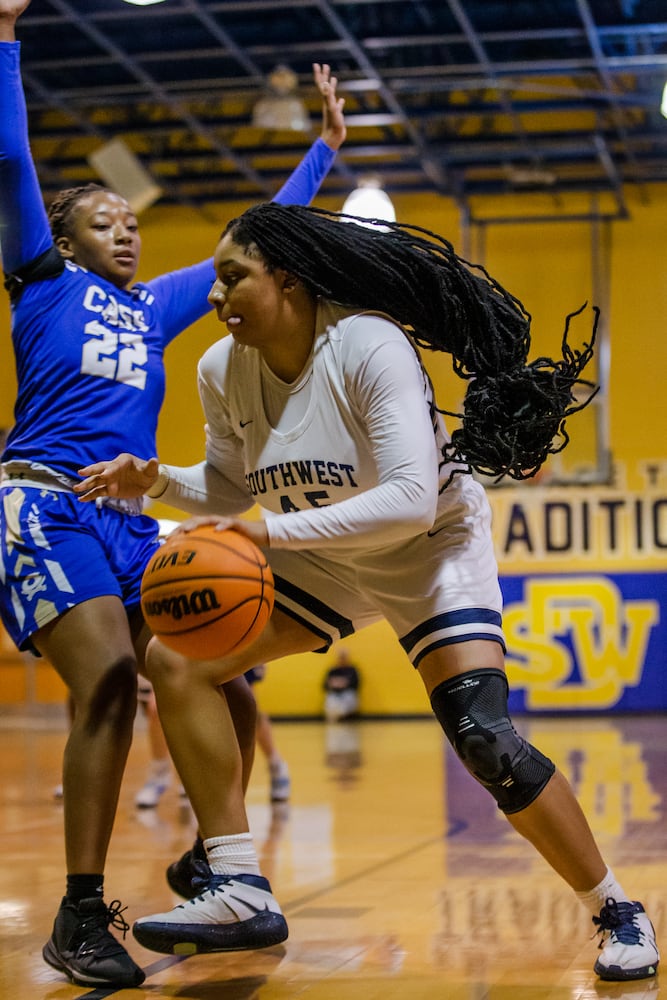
(89, 346)
(318, 408)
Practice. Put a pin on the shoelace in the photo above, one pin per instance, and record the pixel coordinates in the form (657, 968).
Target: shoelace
(202, 880)
(115, 911)
(619, 920)
(95, 928)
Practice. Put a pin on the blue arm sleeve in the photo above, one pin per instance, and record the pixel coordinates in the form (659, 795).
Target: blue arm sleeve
(24, 226)
(304, 182)
(183, 294)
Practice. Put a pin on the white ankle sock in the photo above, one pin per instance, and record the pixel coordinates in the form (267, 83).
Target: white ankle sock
(233, 855)
(594, 899)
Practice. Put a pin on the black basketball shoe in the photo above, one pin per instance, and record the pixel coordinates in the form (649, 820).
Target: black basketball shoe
(181, 873)
(82, 947)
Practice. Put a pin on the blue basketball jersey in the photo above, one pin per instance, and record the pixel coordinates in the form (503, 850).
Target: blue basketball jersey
(89, 356)
(89, 364)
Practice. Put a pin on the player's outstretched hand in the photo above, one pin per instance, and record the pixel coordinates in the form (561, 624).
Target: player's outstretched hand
(124, 478)
(10, 11)
(333, 122)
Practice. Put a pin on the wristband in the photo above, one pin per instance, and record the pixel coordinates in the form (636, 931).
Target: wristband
(160, 484)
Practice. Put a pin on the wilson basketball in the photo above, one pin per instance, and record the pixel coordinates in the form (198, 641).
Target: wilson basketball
(206, 593)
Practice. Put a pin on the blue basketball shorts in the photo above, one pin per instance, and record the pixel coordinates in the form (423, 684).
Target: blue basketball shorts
(57, 552)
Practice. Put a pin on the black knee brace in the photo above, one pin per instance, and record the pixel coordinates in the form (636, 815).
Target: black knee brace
(472, 710)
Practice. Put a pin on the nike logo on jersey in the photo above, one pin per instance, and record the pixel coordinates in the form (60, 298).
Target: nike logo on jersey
(244, 423)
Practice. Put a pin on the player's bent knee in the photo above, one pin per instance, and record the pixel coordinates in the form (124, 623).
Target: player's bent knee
(472, 710)
(162, 665)
(172, 671)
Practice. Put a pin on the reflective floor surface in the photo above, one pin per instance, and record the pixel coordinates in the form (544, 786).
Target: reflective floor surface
(399, 877)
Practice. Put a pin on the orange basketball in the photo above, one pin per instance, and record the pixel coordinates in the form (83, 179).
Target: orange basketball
(206, 593)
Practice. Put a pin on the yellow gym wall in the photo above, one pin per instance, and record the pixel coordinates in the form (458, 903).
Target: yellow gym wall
(547, 266)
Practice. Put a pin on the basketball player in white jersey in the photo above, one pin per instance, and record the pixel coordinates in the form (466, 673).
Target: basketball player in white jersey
(319, 409)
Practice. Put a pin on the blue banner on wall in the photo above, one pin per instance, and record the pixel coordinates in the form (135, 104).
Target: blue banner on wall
(586, 641)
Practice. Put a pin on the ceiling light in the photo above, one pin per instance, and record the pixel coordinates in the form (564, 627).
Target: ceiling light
(143, 3)
(369, 201)
(281, 107)
(663, 105)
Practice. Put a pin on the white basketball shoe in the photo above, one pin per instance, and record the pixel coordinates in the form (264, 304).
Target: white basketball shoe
(628, 947)
(231, 913)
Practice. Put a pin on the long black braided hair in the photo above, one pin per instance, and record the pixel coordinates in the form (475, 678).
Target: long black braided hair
(514, 410)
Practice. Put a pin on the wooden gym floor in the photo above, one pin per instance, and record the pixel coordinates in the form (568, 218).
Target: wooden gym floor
(398, 876)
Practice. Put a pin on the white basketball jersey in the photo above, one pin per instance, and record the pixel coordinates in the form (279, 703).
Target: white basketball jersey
(363, 421)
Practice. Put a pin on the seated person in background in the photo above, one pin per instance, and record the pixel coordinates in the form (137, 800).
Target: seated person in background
(341, 687)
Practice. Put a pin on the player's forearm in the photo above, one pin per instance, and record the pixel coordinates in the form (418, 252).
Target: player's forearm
(7, 29)
(25, 231)
(200, 489)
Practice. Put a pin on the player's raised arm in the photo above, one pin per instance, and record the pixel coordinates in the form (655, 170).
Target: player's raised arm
(334, 130)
